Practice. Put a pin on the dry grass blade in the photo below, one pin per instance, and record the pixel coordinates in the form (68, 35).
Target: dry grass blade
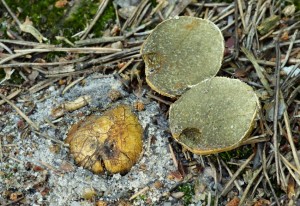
(89, 50)
(291, 140)
(1, 154)
(287, 56)
(50, 138)
(10, 96)
(100, 11)
(265, 166)
(259, 70)
(255, 175)
(42, 84)
(275, 115)
(236, 174)
(241, 10)
(139, 193)
(72, 84)
(24, 116)
(236, 183)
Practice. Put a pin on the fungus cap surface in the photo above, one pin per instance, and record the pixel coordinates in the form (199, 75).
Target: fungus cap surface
(214, 116)
(111, 142)
(180, 53)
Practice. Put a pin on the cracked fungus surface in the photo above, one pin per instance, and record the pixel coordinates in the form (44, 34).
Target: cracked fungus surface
(214, 116)
(111, 142)
(180, 53)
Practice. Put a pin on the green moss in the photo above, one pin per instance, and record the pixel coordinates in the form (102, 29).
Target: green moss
(67, 21)
(188, 190)
(239, 153)
(15, 77)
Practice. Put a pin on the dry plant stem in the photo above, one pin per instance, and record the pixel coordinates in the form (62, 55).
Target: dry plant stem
(290, 139)
(56, 171)
(275, 115)
(15, 159)
(150, 95)
(255, 174)
(46, 64)
(252, 26)
(288, 28)
(265, 167)
(42, 84)
(288, 164)
(210, 4)
(283, 85)
(117, 14)
(179, 8)
(72, 84)
(31, 123)
(226, 12)
(236, 174)
(26, 43)
(6, 48)
(114, 57)
(173, 156)
(10, 96)
(126, 65)
(11, 13)
(141, 17)
(13, 56)
(139, 193)
(256, 139)
(100, 11)
(50, 138)
(236, 34)
(272, 45)
(236, 183)
(293, 95)
(240, 6)
(259, 70)
(1, 154)
(290, 49)
(89, 50)
(225, 15)
(99, 40)
(248, 14)
(290, 167)
(270, 63)
(134, 15)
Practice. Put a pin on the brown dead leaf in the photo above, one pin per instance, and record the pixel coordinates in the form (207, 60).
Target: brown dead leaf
(234, 202)
(291, 188)
(61, 3)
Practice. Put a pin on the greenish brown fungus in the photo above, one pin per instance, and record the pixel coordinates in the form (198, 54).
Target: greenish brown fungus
(214, 116)
(180, 53)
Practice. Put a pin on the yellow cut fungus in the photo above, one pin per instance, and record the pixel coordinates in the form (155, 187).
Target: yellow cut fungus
(111, 142)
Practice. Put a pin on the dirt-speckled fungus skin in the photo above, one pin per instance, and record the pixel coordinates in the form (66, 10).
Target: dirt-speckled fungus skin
(180, 53)
(111, 142)
(214, 116)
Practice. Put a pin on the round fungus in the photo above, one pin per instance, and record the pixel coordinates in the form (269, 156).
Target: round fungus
(214, 116)
(111, 142)
(180, 53)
